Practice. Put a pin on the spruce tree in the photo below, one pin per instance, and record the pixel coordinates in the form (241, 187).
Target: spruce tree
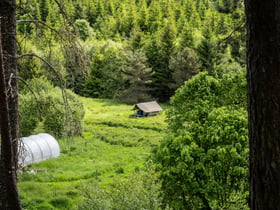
(186, 37)
(143, 15)
(138, 77)
(207, 52)
(154, 17)
(44, 9)
(184, 65)
(163, 76)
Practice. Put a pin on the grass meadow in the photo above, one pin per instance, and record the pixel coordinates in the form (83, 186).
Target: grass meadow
(114, 145)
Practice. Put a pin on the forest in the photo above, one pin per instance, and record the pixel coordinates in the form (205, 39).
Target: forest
(130, 50)
(82, 65)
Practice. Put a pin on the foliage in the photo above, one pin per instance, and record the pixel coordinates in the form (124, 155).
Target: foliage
(106, 77)
(207, 50)
(118, 72)
(140, 190)
(161, 29)
(138, 78)
(202, 93)
(203, 161)
(183, 66)
(163, 76)
(36, 203)
(61, 202)
(59, 111)
(84, 29)
(29, 67)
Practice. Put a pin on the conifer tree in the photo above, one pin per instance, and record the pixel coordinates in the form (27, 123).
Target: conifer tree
(207, 52)
(154, 17)
(143, 15)
(129, 18)
(152, 51)
(90, 12)
(111, 7)
(263, 61)
(78, 12)
(138, 75)
(136, 39)
(184, 65)
(186, 37)
(44, 9)
(162, 76)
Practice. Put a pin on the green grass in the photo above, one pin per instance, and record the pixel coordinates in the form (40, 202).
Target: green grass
(113, 145)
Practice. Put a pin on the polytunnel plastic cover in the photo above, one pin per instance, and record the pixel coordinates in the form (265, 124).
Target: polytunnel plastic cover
(36, 148)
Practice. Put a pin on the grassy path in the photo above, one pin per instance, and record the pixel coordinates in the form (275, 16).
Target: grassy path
(113, 145)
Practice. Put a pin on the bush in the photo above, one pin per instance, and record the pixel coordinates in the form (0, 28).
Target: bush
(29, 114)
(35, 204)
(83, 28)
(61, 202)
(60, 112)
(138, 191)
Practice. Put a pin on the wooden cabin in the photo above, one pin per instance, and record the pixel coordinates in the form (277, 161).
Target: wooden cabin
(146, 109)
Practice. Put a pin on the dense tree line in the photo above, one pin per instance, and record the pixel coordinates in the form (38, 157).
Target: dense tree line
(166, 38)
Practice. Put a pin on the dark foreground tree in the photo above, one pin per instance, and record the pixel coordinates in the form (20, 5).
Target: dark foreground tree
(263, 63)
(9, 106)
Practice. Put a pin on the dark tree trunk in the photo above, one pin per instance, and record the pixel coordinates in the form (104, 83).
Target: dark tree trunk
(8, 28)
(8, 106)
(263, 63)
(9, 194)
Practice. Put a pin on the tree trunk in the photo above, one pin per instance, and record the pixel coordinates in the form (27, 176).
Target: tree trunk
(9, 194)
(263, 64)
(8, 106)
(8, 28)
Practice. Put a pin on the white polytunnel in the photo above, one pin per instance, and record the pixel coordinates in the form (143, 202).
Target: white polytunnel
(36, 148)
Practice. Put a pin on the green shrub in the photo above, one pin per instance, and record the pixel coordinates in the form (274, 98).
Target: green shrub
(83, 28)
(61, 202)
(29, 114)
(45, 206)
(72, 194)
(59, 111)
(137, 191)
(35, 204)
(120, 170)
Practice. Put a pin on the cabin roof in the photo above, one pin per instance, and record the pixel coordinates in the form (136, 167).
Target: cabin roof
(149, 107)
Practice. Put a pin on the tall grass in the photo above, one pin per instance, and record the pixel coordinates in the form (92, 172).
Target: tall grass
(114, 145)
